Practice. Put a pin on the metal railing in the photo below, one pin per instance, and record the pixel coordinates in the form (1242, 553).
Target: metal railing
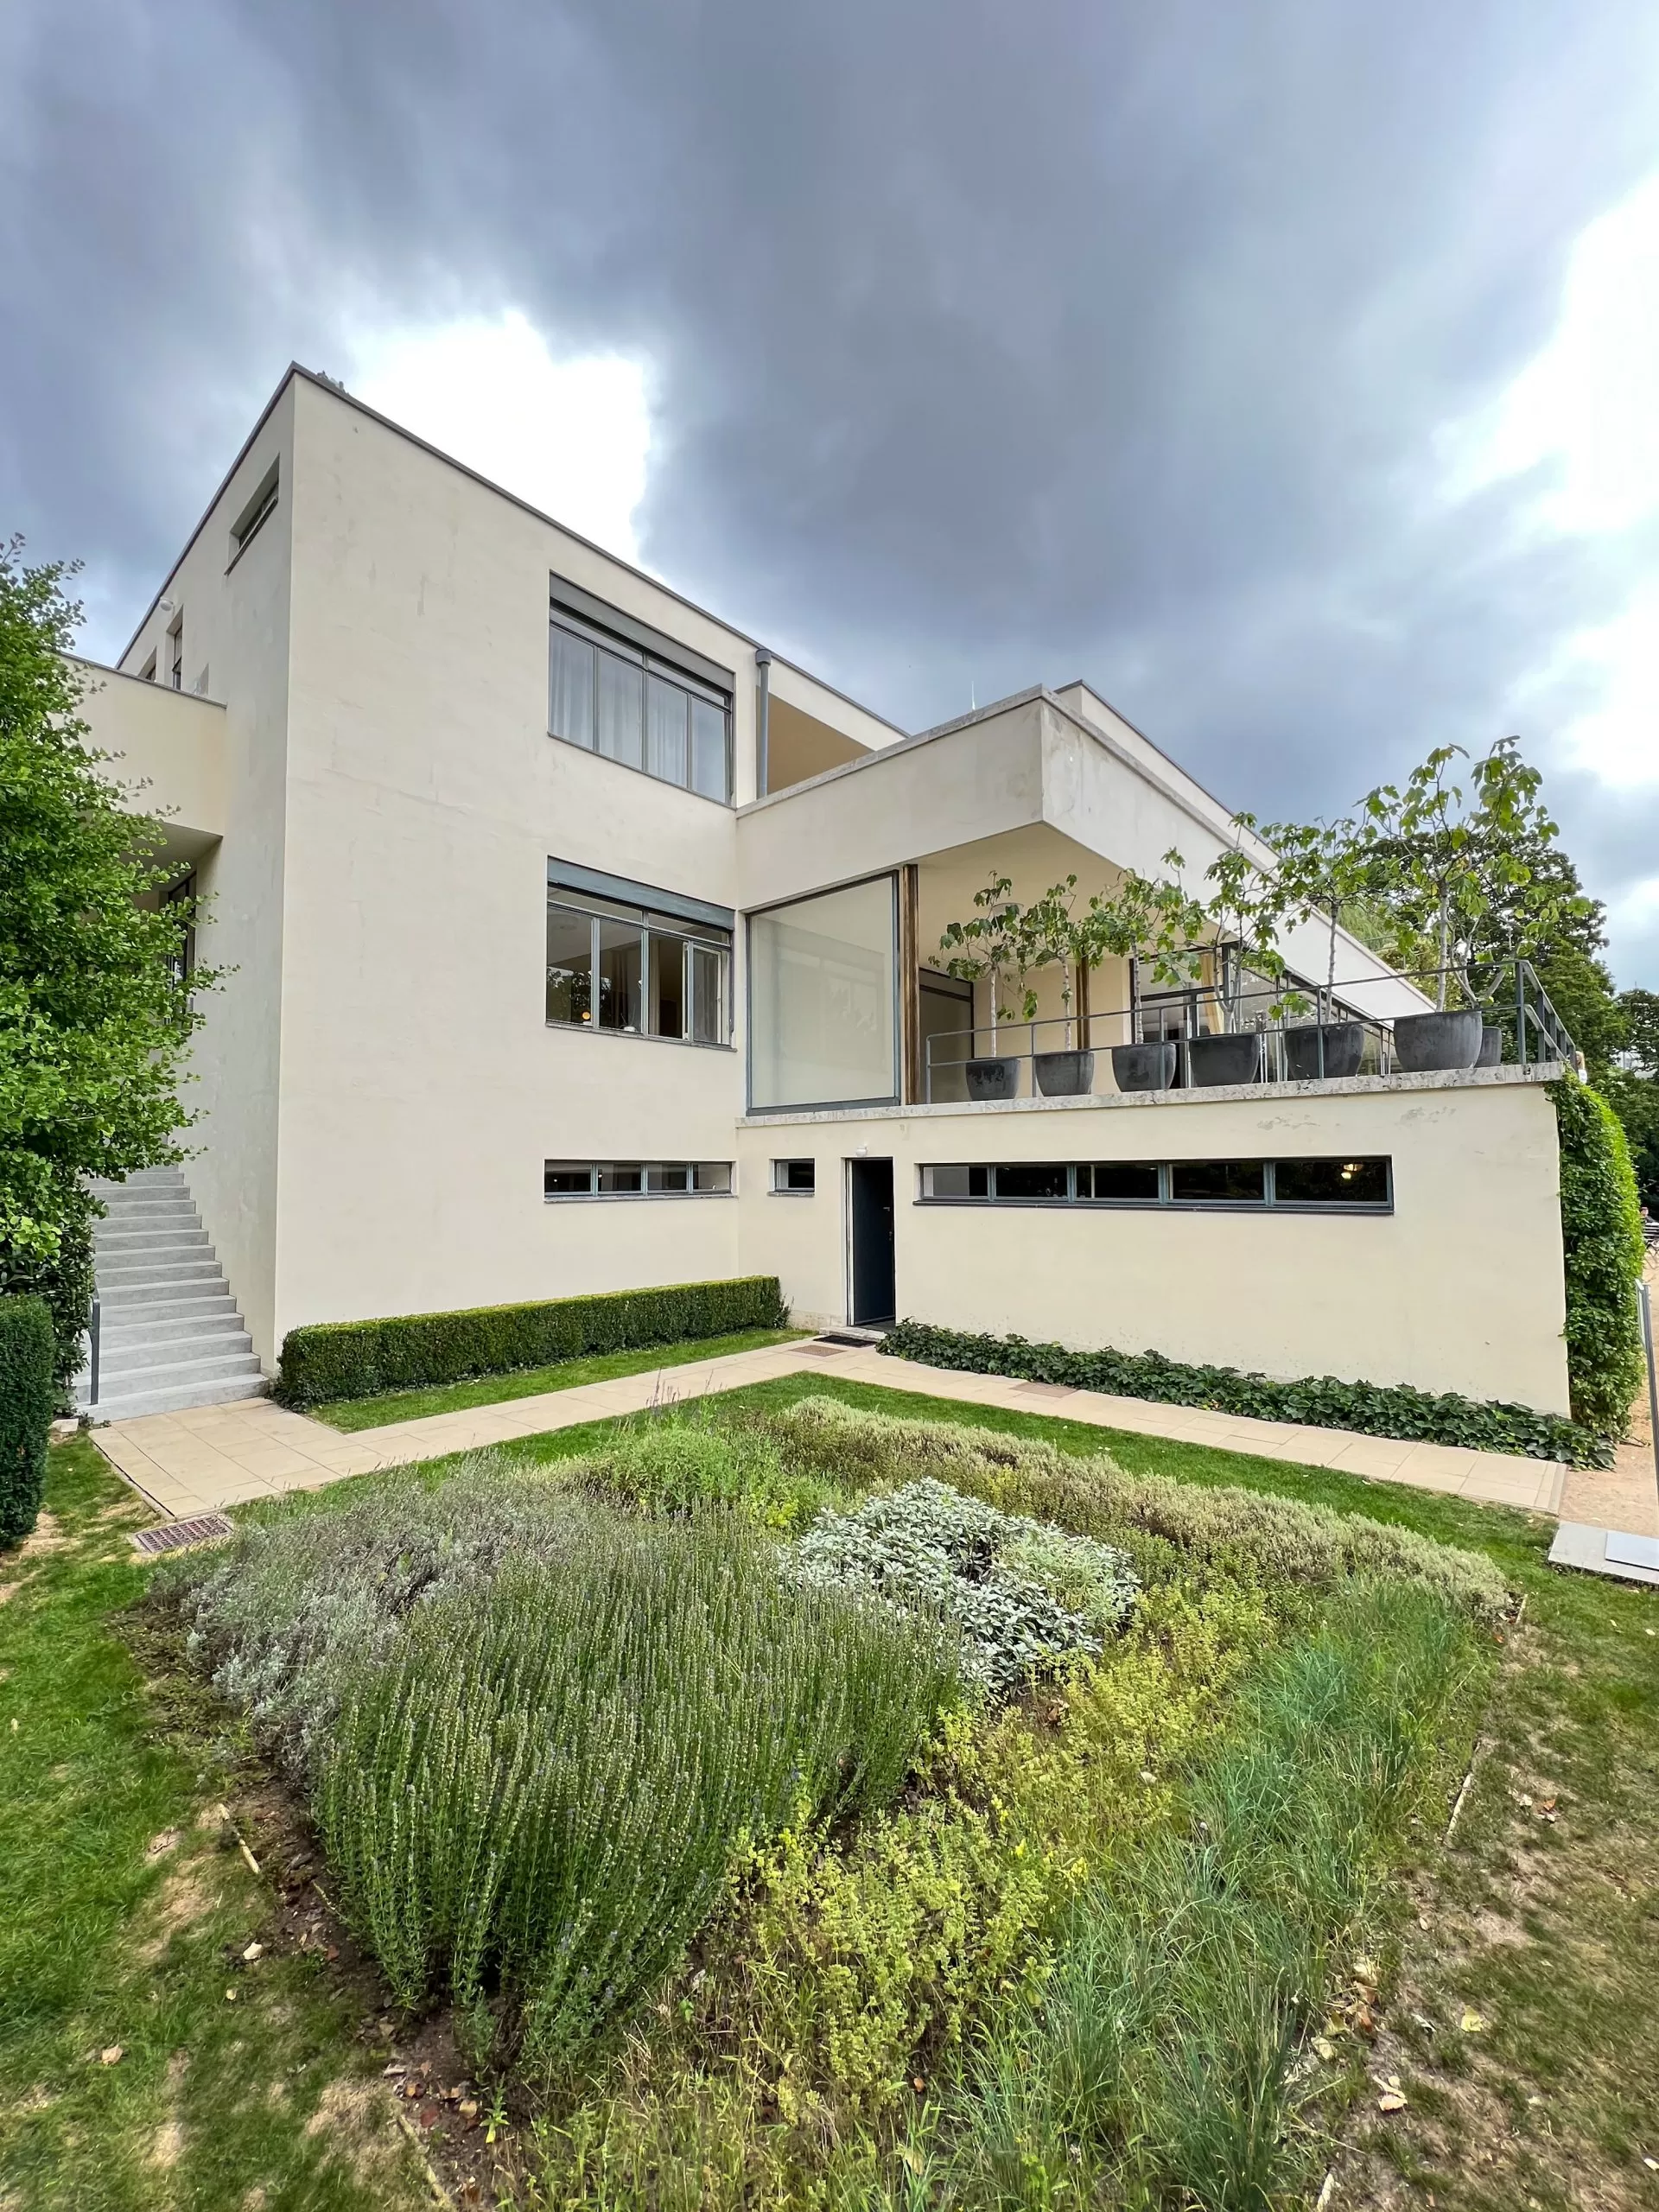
(1516, 1004)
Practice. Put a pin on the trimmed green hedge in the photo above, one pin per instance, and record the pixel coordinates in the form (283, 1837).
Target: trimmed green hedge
(1601, 1238)
(28, 1399)
(333, 1360)
(1373, 1409)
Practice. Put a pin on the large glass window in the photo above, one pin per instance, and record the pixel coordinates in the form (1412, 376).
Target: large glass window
(822, 977)
(624, 969)
(614, 698)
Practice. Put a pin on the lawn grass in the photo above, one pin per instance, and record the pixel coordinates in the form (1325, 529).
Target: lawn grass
(349, 1414)
(122, 1919)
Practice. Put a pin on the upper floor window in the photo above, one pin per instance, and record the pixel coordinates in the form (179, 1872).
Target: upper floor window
(175, 653)
(254, 517)
(619, 689)
(637, 968)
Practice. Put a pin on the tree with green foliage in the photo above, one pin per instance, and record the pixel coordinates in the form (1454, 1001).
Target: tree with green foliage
(26, 1394)
(93, 1022)
(1601, 1236)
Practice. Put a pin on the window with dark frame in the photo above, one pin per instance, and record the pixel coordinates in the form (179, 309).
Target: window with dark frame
(254, 517)
(636, 1179)
(175, 654)
(619, 699)
(1364, 1185)
(636, 972)
(796, 1176)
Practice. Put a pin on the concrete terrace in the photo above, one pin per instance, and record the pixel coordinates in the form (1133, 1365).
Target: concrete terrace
(218, 1456)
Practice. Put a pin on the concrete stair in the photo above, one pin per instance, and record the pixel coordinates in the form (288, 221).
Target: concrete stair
(171, 1336)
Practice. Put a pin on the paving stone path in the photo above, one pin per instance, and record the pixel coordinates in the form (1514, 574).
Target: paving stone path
(216, 1456)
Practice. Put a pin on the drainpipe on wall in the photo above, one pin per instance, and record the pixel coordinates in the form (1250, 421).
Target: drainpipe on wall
(763, 677)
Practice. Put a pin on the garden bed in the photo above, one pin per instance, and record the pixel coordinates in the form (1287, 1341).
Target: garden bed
(765, 1802)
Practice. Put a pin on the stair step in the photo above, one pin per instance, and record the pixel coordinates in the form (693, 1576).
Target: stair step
(197, 1323)
(121, 1243)
(190, 1362)
(145, 1178)
(150, 1213)
(160, 1268)
(123, 1302)
(178, 1398)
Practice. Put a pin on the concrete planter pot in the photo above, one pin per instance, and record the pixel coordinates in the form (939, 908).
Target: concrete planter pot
(989, 1079)
(1144, 1067)
(1064, 1075)
(1423, 1042)
(1225, 1059)
(1491, 1046)
(1345, 1041)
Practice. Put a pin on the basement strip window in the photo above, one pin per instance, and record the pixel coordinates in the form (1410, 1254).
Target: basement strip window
(1334, 1185)
(637, 1178)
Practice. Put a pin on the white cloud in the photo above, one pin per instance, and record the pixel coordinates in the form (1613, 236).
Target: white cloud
(571, 436)
(1584, 412)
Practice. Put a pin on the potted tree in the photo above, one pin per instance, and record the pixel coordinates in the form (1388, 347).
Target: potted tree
(1448, 867)
(1245, 909)
(1144, 920)
(1057, 936)
(1320, 876)
(991, 948)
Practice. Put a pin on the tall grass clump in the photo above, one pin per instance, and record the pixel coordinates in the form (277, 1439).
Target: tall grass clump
(533, 1798)
(278, 1615)
(1274, 1540)
(1161, 2064)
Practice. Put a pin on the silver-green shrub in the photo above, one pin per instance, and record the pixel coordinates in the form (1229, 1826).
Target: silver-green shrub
(1279, 1538)
(1025, 1596)
(277, 1616)
(533, 1795)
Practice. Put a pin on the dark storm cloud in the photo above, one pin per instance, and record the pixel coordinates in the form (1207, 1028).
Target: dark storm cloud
(990, 343)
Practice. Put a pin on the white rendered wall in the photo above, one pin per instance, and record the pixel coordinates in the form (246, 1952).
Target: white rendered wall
(1459, 1288)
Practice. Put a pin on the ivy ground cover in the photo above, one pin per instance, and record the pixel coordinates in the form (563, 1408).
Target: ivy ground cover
(795, 1805)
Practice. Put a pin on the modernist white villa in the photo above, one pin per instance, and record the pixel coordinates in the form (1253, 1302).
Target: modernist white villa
(576, 943)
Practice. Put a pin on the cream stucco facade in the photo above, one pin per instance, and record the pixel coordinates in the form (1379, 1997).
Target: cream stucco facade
(360, 770)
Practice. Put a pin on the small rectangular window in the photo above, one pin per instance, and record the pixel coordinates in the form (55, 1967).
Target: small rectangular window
(1122, 1182)
(707, 995)
(795, 1175)
(1330, 1182)
(954, 1182)
(256, 513)
(175, 654)
(636, 1179)
(148, 672)
(1041, 1180)
(1218, 1182)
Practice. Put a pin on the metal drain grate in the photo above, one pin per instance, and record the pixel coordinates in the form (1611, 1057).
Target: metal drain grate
(174, 1535)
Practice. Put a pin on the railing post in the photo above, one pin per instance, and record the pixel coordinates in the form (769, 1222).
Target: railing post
(1521, 1010)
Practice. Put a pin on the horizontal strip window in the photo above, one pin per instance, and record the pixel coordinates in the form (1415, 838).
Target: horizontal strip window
(610, 694)
(1229, 1185)
(637, 1178)
(637, 973)
(795, 1178)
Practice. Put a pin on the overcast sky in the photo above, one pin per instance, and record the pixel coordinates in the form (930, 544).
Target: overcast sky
(1288, 369)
